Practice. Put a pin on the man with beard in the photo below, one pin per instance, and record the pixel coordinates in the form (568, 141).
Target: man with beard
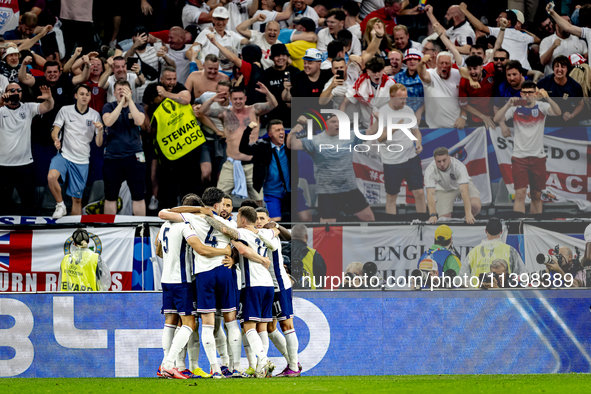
(560, 43)
(272, 162)
(335, 22)
(236, 120)
(225, 37)
(149, 58)
(16, 157)
(226, 208)
(560, 85)
(10, 67)
(206, 80)
(263, 40)
(118, 67)
(275, 77)
(78, 124)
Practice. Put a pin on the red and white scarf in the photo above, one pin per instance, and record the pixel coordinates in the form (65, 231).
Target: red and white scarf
(365, 92)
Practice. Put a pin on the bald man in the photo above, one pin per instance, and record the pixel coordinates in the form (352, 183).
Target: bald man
(263, 40)
(177, 47)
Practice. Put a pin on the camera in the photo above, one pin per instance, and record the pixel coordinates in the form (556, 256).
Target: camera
(547, 259)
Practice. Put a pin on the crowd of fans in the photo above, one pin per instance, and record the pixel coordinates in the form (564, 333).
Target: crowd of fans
(70, 89)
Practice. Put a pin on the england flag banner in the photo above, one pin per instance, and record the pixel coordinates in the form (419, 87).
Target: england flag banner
(471, 150)
(30, 259)
(568, 169)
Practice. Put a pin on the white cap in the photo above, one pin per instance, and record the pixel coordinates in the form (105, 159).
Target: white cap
(313, 55)
(10, 51)
(588, 233)
(221, 13)
(520, 17)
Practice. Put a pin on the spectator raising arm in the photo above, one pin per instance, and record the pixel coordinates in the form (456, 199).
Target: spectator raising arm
(229, 54)
(182, 97)
(244, 27)
(70, 63)
(564, 25)
(292, 142)
(473, 20)
(23, 76)
(263, 108)
(422, 70)
(81, 78)
(47, 104)
(138, 117)
(103, 82)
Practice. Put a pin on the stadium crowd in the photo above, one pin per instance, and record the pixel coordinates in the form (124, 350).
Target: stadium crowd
(144, 96)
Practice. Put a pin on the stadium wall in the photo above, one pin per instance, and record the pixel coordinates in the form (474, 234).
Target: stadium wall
(340, 333)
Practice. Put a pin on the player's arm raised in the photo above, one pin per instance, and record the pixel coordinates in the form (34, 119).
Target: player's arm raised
(272, 243)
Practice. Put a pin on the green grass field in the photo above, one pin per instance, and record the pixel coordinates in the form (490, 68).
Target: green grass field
(440, 384)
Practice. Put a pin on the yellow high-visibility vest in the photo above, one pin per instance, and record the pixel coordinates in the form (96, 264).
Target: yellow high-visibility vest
(81, 275)
(178, 132)
(308, 261)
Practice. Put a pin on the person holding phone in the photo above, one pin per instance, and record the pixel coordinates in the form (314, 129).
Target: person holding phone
(116, 70)
(528, 161)
(336, 88)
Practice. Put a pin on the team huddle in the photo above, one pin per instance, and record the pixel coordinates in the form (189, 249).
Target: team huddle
(226, 272)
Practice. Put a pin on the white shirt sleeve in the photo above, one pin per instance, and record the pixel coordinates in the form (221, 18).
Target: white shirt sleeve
(509, 113)
(59, 118)
(34, 108)
(544, 107)
(494, 31)
(188, 231)
(269, 238)
(429, 176)
(546, 44)
(463, 172)
(322, 43)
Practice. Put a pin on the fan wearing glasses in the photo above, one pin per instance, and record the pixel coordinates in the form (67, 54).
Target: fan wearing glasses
(16, 157)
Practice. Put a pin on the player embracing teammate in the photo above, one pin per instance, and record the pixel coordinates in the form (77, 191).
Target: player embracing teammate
(204, 255)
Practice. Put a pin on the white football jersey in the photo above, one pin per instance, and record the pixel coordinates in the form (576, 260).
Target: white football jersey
(208, 237)
(254, 274)
(176, 252)
(280, 278)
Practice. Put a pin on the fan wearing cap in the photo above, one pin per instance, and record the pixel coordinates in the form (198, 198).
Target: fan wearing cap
(82, 269)
(10, 66)
(410, 79)
(263, 40)
(480, 258)
(516, 40)
(311, 81)
(150, 59)
(275, 77)
(224, 37)
(335, 177)
(440, 256)
(560, 43)
(561, 86)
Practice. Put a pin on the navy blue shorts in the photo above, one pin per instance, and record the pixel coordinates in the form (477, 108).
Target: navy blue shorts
(282, 305)
(256, 304)
(411, 171)
(274, 205)
(216, 289)
(178, 298)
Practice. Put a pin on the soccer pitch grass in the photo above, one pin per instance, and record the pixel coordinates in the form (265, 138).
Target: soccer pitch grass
(440, 384)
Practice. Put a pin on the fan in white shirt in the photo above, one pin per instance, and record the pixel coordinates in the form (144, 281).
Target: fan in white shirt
(196, 12)
(262, 40)
(516, 41)
(335, 22)
(118, 67)
(226, 38)
(300, 10)
(560, 43)
(583, 32)
(79, 124)
(268, 10)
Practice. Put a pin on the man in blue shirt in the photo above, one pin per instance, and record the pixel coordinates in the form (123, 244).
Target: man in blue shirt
(410, 79)
(272, 162)
(124, 156)
(566, 89)
(24, 31)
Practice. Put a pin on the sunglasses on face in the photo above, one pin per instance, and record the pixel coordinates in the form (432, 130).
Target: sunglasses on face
(13, 90)
(496, 59)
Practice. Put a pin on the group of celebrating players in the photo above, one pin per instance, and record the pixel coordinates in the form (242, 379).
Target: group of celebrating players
(224, 271)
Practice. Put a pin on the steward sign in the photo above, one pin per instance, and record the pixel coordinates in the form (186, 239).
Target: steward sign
(178, 132)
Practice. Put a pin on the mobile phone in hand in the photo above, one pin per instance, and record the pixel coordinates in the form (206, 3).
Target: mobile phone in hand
(341, 74)
(288, 76)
